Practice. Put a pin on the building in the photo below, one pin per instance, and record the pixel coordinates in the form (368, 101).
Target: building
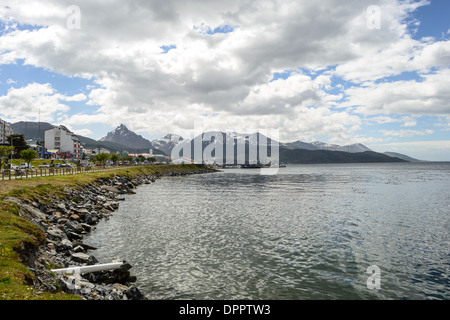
(62, 139)
(145, 155)
(5, 131)
(94, 152)
(38, 146)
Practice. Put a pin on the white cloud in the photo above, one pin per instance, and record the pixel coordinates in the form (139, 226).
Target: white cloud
(407, 133)
(32, 102)
(83, 132)
(224, 78)
(429, 97)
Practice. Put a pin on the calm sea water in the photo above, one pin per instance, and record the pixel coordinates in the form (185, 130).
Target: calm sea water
(309, 232)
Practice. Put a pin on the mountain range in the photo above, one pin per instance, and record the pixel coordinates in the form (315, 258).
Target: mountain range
(123, 139)
(317, 145)
(123, 136)
(215, 144)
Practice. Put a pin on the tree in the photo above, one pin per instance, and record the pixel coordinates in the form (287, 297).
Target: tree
(102, 158)
(28, 155)
(114, 158)
(152, 159)
(141, 158)
(127, 158)
(5, 153)
(18, 142)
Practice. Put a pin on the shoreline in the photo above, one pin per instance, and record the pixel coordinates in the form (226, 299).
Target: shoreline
(65, 218)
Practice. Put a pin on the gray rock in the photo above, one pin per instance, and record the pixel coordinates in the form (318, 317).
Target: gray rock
(110, 189)
(73, 226)
(111, 205)
(80, 257)
(87, 227)
(55, 232)
(62, 207)
(133, 293)
(81, 211)
(78, 249)
(64, 246)
(73, 236)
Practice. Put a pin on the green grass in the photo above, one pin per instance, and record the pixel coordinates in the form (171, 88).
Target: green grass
(15, 278)
(16, 232)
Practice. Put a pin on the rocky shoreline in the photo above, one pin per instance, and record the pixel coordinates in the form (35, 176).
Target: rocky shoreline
(66, 220)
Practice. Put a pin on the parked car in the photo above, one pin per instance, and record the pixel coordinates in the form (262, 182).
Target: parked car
(44, 165)
(26, 166)
(14, 167)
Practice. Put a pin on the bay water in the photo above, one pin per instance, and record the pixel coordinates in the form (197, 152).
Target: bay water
(342, 231)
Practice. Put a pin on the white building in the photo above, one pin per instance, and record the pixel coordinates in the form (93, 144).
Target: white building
(5, 131)
(93, 152)
(65, 141)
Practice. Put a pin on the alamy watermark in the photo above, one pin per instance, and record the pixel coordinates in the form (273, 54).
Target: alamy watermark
(373, 16)
(258, 150)
(73, 21)
(73, 275)
(374, 281)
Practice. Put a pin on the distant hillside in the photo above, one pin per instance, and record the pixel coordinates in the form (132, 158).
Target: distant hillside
(353, 148)
(317, 145)
(299, 156)
(402, 156)
(36, 130)
(31, 130)
(300, 145)
(111, 146)
(286, 155)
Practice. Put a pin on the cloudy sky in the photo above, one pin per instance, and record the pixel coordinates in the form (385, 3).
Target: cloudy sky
(370, 71)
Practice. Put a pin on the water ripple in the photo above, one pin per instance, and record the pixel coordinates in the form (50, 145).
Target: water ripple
(310, 232)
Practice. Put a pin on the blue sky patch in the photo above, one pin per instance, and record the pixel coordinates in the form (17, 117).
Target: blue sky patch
(166, 49)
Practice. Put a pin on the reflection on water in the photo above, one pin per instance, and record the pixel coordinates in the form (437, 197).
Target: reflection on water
(309, 232)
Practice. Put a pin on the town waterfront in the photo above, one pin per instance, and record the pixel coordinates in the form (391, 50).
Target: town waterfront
(308, 232)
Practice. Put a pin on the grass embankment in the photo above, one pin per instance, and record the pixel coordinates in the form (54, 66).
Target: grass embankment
(17, 232)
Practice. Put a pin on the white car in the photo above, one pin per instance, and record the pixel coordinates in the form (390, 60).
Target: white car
(44, 165)
(14, 167)
(25, 166)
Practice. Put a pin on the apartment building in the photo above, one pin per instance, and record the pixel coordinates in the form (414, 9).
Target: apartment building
(66, 142)
(5, 131)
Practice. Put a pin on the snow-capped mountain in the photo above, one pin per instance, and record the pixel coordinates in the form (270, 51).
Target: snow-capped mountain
(353, 148)
(122, 135)
(229, 137)
(170, 141)
(317, 145)
(301, 145)
(167, 143)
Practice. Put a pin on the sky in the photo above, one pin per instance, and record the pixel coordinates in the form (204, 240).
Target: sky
(375, 72)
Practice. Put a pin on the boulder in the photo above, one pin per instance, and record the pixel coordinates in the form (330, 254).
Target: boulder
(55, 232)
(73, 226)
(73, 235)
(133, 293)
(80, 257)
(111, 189)
(64, 245)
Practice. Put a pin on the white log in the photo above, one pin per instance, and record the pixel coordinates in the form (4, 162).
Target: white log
(88, 269)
